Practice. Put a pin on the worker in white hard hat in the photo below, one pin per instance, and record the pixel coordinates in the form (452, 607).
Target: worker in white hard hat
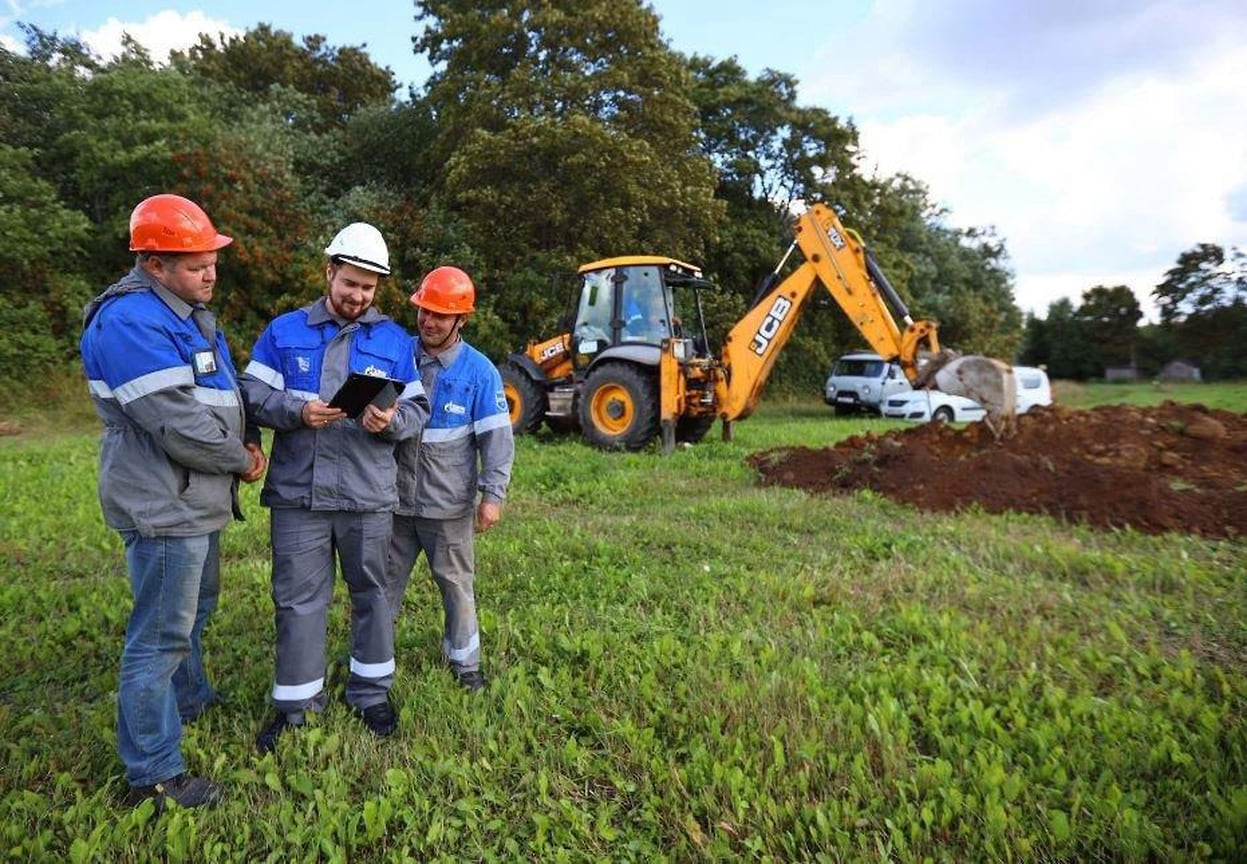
(332, 482)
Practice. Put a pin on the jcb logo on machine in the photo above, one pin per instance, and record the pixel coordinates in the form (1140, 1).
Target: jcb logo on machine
(836, 239)
(770, 325)
(551, 351)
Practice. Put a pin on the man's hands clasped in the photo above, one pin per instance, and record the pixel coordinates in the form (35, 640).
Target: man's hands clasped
(259, 463)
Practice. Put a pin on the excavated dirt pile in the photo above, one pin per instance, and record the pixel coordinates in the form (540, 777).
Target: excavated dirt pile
(1163, 468)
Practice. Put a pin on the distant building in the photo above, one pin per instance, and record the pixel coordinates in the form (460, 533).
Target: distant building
(1180, 370)
(1129, 372)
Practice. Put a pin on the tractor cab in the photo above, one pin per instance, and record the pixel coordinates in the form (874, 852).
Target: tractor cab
(627, 302)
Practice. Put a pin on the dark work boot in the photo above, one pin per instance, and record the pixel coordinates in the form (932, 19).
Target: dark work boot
(187, 791)
(381, 719)
(266, 741)
(472, 680)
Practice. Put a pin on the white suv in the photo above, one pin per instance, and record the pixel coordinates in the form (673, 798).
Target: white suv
(861, 382)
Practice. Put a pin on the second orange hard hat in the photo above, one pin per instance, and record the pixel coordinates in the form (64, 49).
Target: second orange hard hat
(447, 290)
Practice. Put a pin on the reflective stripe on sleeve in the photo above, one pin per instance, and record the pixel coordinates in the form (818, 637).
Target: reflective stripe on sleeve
(100, 389)
(495, 422)
(412, 390)
(297, 692)
(434, 436)
(267, 374)
(162, 379)
(216, 398)
(372, 670)
(305, 395)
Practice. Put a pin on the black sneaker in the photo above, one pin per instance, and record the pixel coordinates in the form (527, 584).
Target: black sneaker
(187, 791)
(266, 741)
(381, 719)
(473, 681)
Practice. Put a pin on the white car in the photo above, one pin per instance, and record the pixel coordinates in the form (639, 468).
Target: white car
(923, 405)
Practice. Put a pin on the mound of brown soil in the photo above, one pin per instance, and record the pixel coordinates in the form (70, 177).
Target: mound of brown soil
(1165, 468)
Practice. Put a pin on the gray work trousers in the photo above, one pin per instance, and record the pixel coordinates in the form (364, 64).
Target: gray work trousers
(447, 544)
(305, 543)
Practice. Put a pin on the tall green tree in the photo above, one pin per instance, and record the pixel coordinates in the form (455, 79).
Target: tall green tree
(771, 154)
(340, 80)
(566, 133)
(958, 276)
(1036, 342)
(1070, 348)
(1203, 302)
(41, 294)
(1109, 318)
(1204, 278)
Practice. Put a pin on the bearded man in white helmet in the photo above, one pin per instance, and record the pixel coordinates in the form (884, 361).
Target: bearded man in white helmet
(332, 484)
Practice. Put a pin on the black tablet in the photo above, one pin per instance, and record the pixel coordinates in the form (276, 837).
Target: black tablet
(359, 391)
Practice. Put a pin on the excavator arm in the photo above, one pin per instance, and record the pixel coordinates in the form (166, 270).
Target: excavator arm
(838, 260)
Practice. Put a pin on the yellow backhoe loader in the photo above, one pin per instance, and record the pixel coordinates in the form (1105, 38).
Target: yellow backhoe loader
(635, 362)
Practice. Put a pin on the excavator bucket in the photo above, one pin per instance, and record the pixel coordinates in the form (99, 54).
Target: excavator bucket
(987, 381)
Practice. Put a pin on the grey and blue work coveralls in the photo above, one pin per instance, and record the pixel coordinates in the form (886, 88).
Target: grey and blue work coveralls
(330, 490)
(164, 385)
(466, 449)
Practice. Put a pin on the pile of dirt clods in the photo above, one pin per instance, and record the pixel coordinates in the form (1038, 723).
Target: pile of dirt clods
(1162, 468)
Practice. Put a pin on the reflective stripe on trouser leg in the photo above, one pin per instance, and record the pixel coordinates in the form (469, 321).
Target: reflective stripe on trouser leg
(448, 545)
(363, 541)
(404, 550)
(302, 543)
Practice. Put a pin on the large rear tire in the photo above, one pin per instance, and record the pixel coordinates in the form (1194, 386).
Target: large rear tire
(526, 401)
(619, 407)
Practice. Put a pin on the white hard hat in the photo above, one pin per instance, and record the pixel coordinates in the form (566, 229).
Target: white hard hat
(362, 245)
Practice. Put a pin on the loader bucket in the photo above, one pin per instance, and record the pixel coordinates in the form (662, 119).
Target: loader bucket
(986, 380)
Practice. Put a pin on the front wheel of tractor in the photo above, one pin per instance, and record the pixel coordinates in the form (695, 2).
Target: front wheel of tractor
(619, 407)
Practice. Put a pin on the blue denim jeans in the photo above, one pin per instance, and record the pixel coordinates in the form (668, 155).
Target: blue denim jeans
(175, 584)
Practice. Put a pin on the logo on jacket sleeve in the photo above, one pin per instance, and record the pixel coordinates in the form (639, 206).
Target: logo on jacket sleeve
(500, 399)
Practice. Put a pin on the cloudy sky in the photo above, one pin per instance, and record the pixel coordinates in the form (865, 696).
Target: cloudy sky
(1100, 138)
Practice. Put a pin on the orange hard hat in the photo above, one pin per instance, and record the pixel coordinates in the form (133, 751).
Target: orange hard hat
(171, 223)
(447, 290)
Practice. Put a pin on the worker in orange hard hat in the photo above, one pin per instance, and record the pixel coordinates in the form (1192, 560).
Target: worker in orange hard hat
(173, 450)
(453, 479)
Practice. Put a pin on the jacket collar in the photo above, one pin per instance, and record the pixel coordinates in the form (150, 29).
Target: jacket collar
(134, 282)
(180, 307)
(447, 357)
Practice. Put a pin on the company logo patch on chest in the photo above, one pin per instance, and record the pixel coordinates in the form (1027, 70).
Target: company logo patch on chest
(454, 408)
(374, 372)
(304, 363)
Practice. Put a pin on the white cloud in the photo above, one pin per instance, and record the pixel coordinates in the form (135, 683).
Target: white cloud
(12, 44)
(160, 33)
(1104, 181)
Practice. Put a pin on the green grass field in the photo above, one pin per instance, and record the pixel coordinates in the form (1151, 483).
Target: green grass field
(683, 665)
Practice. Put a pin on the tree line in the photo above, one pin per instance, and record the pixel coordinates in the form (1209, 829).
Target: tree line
(551, 133)
(1202, 302)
